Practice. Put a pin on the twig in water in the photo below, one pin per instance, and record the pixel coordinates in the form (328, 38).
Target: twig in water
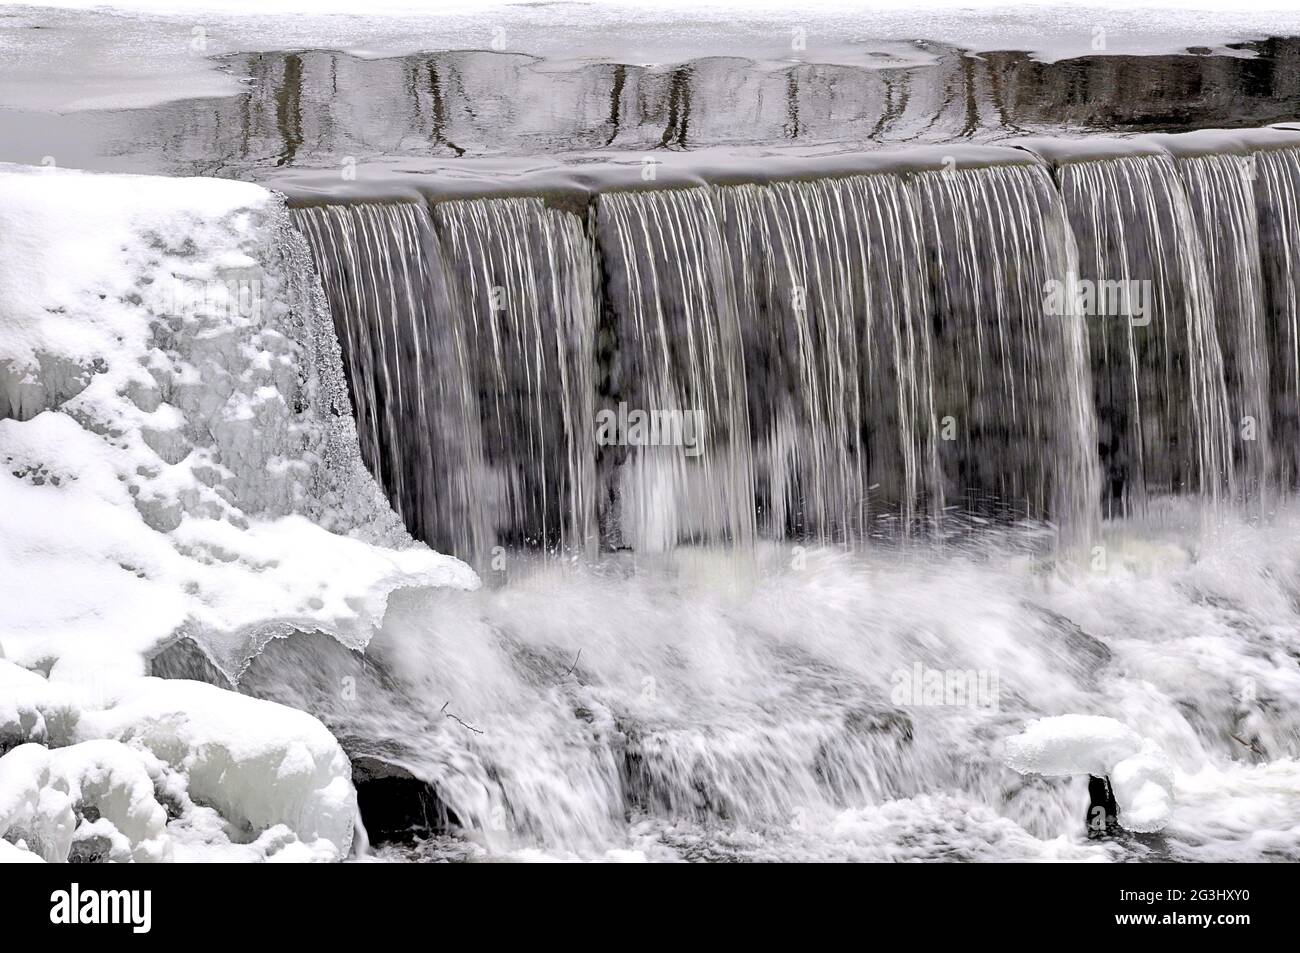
(574, 665)
(453, 715)
(1252, 745)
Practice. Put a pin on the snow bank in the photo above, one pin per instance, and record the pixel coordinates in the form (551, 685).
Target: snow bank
(178, 452)
(177, 459)
(1141, 775)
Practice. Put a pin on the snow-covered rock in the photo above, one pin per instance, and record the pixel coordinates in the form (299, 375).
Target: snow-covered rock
(178, 452)
(96, 793)
(257, 763)
(18, 854)
(32, 710)
(1141, 774)
(156, 770)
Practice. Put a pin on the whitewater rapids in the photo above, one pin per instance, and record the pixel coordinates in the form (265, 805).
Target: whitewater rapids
(701, 706)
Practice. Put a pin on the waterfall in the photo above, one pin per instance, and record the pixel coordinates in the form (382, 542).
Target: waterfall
(524, 293)
(1277, 197)
(893, 327)
(409, 372)
(675, 326)
(831, 297)
(1161, 396)
(1221, 193)
(1011, 374)
(946, 358)
(827, 359)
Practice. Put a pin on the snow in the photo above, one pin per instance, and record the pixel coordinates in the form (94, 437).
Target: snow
(173, 468)
(167, 44)
(153, 453)
(1068, 745)
(261, 766)
(177, 770)
(33, 710)
(179, 460)
(1141, 774)
(17, 854)
(53, 798)
(1143, 785)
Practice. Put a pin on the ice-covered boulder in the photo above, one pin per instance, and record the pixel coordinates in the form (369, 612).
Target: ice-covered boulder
(258, 764)
(1141, 775)
(1067, 745)
(154, 770)
(95, 793)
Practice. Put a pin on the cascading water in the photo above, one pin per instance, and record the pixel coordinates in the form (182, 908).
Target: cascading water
(598, 712)
(525, 291)
(1277, 198)
(901, 426)
(855, 354)
(678, 356)
(1161, 397)
(1221, 194)
(409, 372)
(1014, 375)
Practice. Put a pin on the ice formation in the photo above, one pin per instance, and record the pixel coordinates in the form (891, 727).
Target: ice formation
(179, 460)
(1141, 774)
(624, 31)
(155, 770)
